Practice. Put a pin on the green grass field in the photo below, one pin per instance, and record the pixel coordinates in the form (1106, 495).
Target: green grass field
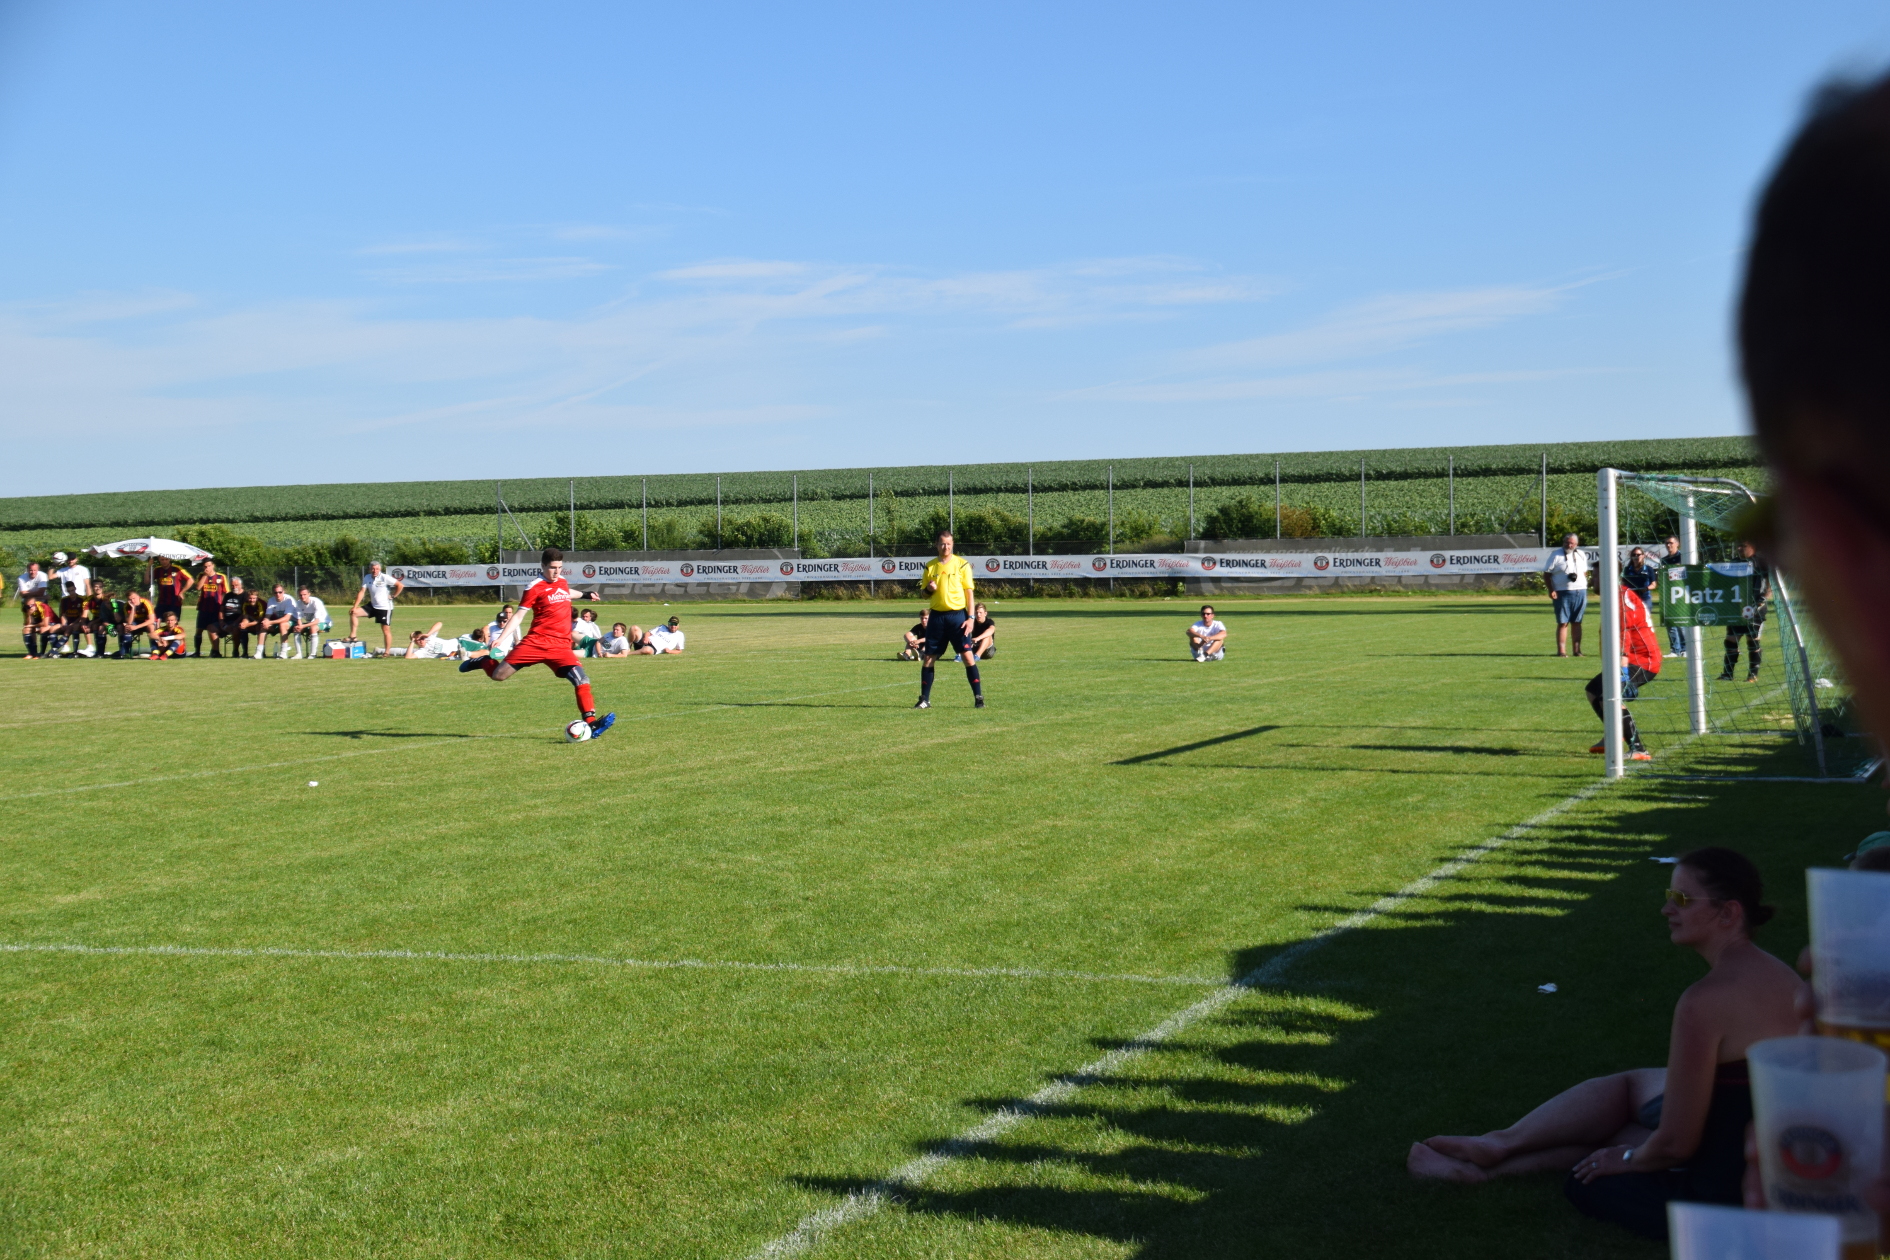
(439, 1005)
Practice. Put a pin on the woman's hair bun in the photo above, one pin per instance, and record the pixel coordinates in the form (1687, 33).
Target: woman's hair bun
(1729, 875)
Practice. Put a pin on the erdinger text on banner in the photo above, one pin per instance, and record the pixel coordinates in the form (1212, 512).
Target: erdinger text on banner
(1243, 564)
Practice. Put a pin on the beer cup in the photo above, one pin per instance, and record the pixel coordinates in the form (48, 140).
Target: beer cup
(1817, 1107)
(1850, 953)
(1701, 1231)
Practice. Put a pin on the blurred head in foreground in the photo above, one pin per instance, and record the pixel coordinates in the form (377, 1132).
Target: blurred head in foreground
(1814, 341)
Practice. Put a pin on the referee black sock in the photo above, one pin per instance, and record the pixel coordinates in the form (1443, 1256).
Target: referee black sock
(971, 676)
(925, 682)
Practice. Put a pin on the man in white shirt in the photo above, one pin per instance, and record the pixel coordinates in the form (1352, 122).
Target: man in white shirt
(585, 633)
(1568, 592)
(380, 591)
(1207, 638)
(73, 577)
(30, 583)
(667, 638)
(311, 622)
(427, 645)
(278, 619)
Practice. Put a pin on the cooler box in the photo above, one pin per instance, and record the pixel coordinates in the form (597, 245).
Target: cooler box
(340, 651)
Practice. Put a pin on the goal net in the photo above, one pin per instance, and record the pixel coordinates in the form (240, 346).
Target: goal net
(1755, 674)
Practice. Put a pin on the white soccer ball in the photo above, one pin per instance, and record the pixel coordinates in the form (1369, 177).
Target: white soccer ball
(577, 732)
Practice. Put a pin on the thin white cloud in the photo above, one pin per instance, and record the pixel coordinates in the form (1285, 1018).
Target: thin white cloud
(494, 270)
(736, 269)
(1386, 323)
(430, 245)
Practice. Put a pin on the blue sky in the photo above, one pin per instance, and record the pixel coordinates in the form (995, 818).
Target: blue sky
(253, 244)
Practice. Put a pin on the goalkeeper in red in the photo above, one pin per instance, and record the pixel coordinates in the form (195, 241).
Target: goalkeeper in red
(948, 581)
(1639, 665)
(548, 642)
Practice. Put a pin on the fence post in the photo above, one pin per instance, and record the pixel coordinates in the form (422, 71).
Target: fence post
(646, 514)
(872, 585)
(1276, 498)
(1112, 524)
(1544, 531)
(1191, 500)
(1452, 474)
(718, 512)
(951, 504)
(1362, 528)
(797, 510)
(498, 520)
(574, 515)
(1030, 515)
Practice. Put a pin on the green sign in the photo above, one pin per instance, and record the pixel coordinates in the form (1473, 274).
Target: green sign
(1706, 594)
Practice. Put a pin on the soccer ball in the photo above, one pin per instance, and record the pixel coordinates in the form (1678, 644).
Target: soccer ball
(577, 732)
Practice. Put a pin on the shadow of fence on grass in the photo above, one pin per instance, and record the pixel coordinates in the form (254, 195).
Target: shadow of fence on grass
(1279, 1125)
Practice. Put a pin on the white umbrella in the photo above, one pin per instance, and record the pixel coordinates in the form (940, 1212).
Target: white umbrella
(151, 549)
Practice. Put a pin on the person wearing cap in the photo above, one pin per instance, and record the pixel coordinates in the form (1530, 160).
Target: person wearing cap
(1873, 854)
(74, 578)
(667, 638)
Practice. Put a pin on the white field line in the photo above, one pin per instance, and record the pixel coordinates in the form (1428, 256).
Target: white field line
(600, 960)
(412, 744)
(816, 1226)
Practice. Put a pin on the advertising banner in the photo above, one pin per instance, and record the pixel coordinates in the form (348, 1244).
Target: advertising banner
(1706, 594)
(1244, 564)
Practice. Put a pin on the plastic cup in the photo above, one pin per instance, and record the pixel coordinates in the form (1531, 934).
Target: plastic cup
(1818, 1110)
(1850, 953)
(1701, 1231)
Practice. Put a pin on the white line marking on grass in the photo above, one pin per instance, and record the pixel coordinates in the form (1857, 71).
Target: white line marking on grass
(600, 960)
(816, 1226)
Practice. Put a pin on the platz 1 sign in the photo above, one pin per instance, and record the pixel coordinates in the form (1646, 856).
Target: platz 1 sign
(1706, 594)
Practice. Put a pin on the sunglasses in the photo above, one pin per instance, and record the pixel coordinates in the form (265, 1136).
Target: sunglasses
(1678, 898)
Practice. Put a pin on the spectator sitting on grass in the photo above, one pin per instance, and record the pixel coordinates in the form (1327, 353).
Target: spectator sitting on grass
(586, 633)
(915, 637)
(168, 642)
(1207, 638)
(497, 625)
(427, 645)
(666, 638)
(981, 635)
(618, 644)
(1632, 1141)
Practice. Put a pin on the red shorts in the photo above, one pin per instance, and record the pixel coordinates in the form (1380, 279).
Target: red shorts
(532, 651)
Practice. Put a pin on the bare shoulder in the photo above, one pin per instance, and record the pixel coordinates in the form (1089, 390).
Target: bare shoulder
(1747, 982)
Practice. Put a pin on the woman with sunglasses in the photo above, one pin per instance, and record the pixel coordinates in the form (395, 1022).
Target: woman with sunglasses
(1633, 1141)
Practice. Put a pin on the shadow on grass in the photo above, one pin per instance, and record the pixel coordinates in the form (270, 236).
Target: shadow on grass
(1187, 748)
(1279, 1125)
(393, 734)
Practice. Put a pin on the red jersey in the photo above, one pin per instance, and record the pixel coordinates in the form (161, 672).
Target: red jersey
(171, 581)
(550, 603)
(1638, 641)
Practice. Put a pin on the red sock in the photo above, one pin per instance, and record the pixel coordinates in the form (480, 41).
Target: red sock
(585, 707)
(488, 665)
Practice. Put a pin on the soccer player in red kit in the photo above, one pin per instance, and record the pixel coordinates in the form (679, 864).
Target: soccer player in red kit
(548, 642)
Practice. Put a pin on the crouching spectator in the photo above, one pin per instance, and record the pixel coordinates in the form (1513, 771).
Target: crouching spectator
(667, 638)
(618, 644)
(981, 635)
(167, 642)
(427, 645)
(1207, 638)
(915, 637)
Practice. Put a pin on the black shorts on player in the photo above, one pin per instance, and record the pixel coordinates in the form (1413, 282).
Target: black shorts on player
(382, 616)
(946, 629)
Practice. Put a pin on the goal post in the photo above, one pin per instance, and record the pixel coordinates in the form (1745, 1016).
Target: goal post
(1807, 697)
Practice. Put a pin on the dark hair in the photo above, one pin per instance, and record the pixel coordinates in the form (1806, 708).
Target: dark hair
(1730, 876)
(943, 533)
(551, 553)
(1877, 859)
(1814, 316)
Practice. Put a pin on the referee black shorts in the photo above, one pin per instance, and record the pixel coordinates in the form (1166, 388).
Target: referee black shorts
(946, 629)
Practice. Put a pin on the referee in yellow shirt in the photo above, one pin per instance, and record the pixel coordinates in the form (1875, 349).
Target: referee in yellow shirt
(948, 581)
